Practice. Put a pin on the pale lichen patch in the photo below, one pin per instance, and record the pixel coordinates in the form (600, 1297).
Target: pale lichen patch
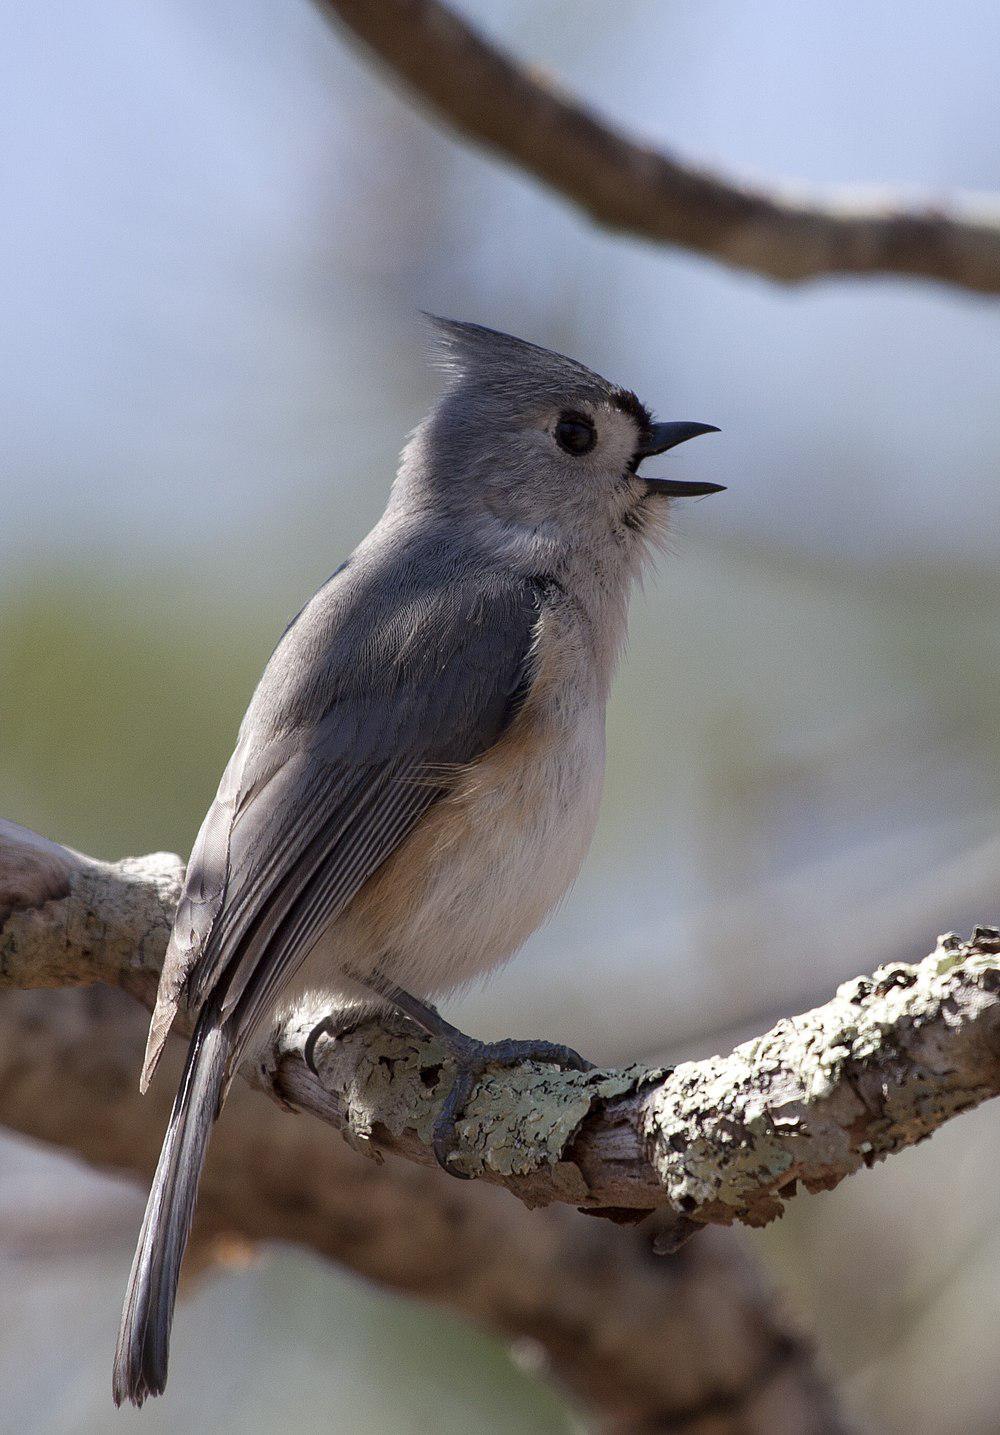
(522, 1120)
(827, 1092)
(517, 1121)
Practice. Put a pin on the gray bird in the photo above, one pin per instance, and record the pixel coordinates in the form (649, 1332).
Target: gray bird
(417, 777)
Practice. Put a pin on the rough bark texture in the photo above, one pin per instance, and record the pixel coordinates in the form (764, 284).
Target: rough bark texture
(782, 230)
(726, 1139)
(695, 1344)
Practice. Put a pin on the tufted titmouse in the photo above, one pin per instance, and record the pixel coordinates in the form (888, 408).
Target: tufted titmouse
(417, 777)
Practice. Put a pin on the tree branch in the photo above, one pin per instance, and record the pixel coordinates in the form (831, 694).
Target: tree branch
(782, 230)
(697, 1344)
(726, 1139)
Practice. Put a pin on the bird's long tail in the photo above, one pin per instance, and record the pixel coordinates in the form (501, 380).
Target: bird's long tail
(144, 1336)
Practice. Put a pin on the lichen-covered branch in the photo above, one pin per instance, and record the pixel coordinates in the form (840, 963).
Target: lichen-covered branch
(726, 1139)
(785, 231)
(698, 1344)
(876, 1069)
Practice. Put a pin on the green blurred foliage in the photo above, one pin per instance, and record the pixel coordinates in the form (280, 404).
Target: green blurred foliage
(119, 705)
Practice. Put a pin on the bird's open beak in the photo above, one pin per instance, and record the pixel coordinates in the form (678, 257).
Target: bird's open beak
(658, 439)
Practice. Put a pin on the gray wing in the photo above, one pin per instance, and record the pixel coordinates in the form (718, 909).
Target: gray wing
(343, 748)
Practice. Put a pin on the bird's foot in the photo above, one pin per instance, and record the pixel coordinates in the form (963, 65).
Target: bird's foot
(338, 1023)
(472, 1059)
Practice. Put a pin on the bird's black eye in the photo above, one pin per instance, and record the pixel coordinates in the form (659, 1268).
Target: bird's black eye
(575, 434)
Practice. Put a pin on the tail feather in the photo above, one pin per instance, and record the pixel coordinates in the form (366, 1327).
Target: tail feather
(144, 1337)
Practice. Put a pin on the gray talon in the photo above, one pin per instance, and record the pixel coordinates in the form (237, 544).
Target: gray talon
(472, 1058)
(326, 1027)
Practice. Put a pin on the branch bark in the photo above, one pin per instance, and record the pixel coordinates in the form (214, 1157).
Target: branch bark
(784, 231)
(697, 1344)
(878, 1068)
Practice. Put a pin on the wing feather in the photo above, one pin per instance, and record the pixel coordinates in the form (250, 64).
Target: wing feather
(331, 772)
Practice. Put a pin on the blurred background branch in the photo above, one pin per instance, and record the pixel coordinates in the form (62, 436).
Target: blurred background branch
(783, 230)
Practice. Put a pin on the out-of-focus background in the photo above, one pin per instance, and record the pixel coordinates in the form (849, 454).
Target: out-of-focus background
(218, 227)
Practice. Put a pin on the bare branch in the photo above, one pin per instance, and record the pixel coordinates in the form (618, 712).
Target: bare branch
(876, 1069)
(782, 230)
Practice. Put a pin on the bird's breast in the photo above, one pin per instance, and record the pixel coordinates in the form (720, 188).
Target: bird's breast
(495, 854)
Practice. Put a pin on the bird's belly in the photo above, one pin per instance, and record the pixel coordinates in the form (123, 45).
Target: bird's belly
(485, 866)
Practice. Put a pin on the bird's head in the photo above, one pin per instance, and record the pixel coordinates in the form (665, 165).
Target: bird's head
(542, 442)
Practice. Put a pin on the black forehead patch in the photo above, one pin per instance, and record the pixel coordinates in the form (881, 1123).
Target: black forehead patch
(629, 403)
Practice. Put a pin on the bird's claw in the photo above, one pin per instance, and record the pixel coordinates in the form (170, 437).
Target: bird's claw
(471, 1059)
(326, 1027)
